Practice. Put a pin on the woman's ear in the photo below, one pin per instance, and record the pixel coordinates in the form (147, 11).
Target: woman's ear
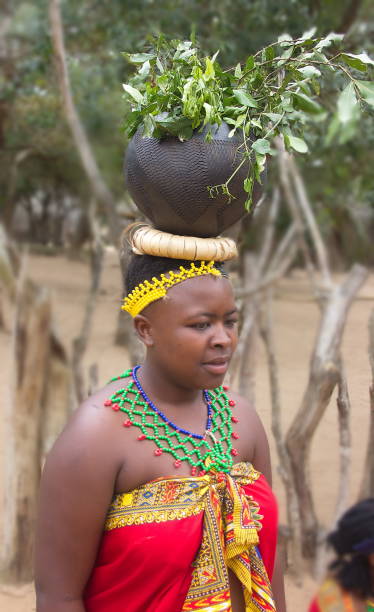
(143, 329)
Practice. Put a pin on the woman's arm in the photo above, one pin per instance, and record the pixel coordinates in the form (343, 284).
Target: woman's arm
(45, 604)
(76, 488)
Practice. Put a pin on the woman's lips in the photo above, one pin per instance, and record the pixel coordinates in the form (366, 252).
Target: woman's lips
(216, 366)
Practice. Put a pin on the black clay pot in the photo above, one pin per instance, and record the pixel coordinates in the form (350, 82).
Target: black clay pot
(168, 180)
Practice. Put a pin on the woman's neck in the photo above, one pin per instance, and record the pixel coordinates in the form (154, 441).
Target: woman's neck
(161, 388)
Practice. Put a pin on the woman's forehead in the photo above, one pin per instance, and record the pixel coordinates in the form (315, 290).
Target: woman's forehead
(205, 293)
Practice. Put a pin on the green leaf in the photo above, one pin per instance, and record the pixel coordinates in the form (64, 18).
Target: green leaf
(248, 182)
(367, 91)
(160, 66)
(185, 133)
(309, 71)
(139, 58)
(297, 143)
(229, 120)
(360, 62)
(209, 69)
(273, 116)
(286, 55)
(285, 39)
(259, 166)
(240, 120)
(321, 57)
(174, 125)
(249, 64)
(286, 105)
(208, 112)
(261, 146)
(256, 123)
(238, 71)
(149, 125)
(347, 104)
(309, 33)
(331, 38)
(134, 93)
(145, 69)
(339, 132)
(244, 98)
(215, 56)
(248, 204)
(332, 130)
(306, 104)
(269, 53)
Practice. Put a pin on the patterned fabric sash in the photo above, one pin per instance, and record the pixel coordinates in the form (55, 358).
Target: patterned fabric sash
(230, 533)
(332, 599)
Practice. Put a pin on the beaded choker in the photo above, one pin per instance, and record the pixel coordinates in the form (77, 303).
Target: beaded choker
(211, 451)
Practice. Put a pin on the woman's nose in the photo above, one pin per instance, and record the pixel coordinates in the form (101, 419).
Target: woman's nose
(220, 337)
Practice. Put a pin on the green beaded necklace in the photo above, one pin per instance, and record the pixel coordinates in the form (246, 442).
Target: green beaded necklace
(370, 605)
(212, 451)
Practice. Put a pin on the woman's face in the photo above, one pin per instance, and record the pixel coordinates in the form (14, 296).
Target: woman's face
(192, 333)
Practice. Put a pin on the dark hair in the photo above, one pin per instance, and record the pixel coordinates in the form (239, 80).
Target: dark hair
(353, 540)
(144, 267)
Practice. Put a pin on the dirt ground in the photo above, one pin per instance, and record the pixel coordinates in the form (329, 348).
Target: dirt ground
(296, 320)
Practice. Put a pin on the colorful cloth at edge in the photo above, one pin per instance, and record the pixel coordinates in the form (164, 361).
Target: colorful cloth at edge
(331, 598)
(192, 529)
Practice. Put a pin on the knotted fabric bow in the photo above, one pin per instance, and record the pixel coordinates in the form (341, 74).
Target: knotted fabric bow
(230, 539)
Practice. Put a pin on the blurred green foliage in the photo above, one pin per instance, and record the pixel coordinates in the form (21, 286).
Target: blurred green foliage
(337, 170)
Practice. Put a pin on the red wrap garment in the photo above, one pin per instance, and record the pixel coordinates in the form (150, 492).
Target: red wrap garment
(167, 545)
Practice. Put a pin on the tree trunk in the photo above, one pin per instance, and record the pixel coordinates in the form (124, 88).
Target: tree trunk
(22, 418)
(7, 277)
(349, 16)
(35, 411)
(99, 188)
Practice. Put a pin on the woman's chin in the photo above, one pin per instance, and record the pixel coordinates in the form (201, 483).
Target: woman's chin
(213, 376)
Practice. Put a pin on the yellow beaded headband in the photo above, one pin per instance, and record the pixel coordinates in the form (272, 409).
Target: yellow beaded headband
(148, 292)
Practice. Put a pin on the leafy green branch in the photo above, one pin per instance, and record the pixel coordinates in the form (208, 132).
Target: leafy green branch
(275, 92)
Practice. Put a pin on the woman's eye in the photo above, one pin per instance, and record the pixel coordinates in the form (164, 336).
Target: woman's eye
(201, 325)
(231, 322)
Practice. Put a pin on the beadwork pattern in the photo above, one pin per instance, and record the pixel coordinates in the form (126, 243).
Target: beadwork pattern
(212, 451)
(148, 292)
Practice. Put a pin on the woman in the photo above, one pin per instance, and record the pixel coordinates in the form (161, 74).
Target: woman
(156, 497)
(350, 585)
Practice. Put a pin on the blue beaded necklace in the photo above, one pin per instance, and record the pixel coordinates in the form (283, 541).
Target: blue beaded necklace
(211, 451)
(161, 414)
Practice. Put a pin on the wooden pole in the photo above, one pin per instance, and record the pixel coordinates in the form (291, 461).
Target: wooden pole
(323, 377)
(367, 487)
(285, 468)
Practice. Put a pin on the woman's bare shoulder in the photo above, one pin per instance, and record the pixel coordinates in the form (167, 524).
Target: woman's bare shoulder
(91, 429)
(244, 408)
